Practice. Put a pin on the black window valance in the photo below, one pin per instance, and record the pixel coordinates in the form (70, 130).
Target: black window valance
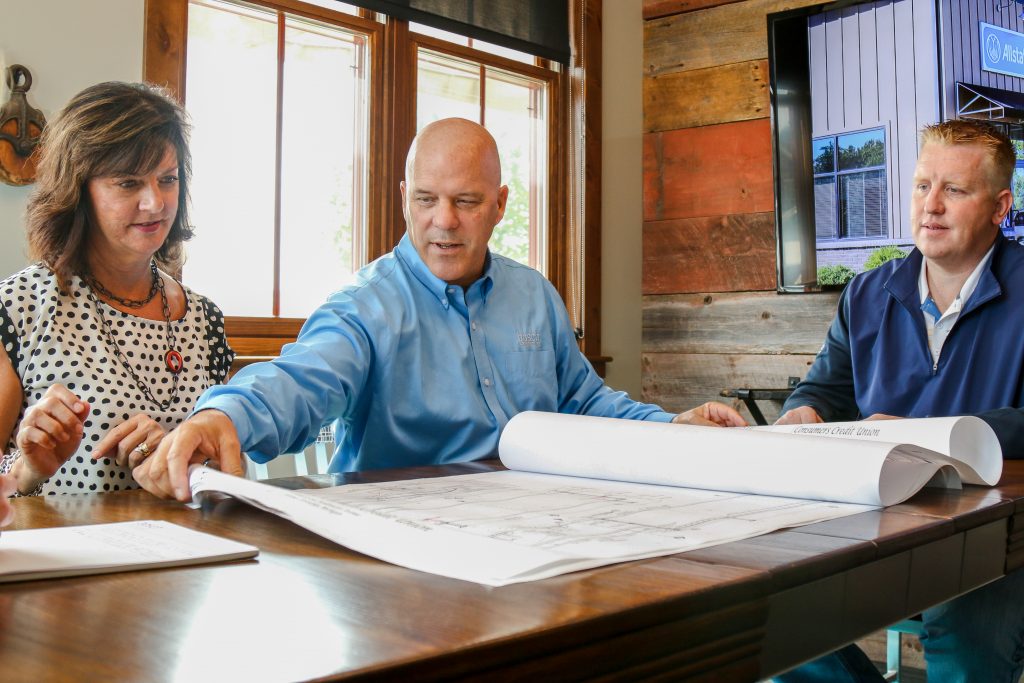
(538, 27)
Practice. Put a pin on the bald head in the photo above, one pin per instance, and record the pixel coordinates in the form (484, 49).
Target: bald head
(456, 139)
(452, 197)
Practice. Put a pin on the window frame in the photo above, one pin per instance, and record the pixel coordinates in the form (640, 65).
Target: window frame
(393, 62)
(836, 174)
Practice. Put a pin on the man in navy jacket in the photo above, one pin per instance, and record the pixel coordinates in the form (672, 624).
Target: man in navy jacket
(937, 334)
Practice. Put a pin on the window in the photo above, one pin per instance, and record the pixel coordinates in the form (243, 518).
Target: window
(514, 108)
(337, 93)
(850, 186)
(280, 175)
(289, 176)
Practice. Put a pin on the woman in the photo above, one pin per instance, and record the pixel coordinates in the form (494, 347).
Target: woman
(105, 350)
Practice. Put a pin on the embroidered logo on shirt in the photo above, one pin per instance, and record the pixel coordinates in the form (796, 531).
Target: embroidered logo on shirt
(528, 340)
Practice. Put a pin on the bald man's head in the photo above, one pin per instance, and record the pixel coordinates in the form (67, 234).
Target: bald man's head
(452, 198)
(456, 137)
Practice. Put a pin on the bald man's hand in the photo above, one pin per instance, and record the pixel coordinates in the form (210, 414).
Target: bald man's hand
(800, 415)
(206, 436)
(711, 414)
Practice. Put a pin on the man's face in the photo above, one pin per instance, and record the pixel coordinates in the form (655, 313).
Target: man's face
(956, 208)
(452, 202)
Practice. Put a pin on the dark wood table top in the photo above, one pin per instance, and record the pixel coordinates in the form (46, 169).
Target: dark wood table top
(308, 609)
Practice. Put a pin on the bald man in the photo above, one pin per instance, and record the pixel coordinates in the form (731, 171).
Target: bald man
(426, 358)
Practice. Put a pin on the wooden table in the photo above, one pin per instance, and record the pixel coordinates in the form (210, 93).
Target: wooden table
(308, 609)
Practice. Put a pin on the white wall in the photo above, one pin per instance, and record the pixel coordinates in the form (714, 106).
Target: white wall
(622, 192)
(67, 45)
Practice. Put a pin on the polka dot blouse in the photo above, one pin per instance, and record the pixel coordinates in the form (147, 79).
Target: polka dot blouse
(57, 339)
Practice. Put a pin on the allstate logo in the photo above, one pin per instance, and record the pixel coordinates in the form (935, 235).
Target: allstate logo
(993, 48)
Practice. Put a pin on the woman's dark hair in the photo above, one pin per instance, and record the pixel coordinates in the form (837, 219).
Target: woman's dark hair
(108, 129)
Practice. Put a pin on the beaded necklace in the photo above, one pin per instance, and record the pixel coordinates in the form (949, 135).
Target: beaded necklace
(96, 285)
(172, 359)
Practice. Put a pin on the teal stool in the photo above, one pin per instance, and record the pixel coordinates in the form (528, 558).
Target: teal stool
(893, 642)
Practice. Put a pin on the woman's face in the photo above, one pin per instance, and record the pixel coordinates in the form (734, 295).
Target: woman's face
(134, 214)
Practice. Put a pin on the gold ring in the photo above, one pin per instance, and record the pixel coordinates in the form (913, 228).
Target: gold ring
(143, 448)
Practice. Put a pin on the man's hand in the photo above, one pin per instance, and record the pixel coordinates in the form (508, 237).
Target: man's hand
(799, 416)
(130, 442)
(883, 416)
(207, 435)
(7, 488)
(48, 435)
(711, 414)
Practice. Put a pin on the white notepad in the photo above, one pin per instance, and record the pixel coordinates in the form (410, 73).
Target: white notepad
(104, 548)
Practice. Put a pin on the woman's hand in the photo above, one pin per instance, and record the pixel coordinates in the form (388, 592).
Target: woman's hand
(207, 435)
(48, 435)
(131, 442)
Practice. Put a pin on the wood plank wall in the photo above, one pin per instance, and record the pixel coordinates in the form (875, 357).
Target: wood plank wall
(712, 319)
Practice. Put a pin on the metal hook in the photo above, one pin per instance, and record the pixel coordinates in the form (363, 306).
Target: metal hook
(19, 80)
(14, 74)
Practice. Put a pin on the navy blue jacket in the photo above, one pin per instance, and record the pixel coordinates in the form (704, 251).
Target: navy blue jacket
(876, 357)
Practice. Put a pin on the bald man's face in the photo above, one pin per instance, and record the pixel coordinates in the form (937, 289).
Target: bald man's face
(452, 202)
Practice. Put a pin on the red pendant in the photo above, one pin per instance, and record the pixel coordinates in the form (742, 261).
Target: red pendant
(174, 361)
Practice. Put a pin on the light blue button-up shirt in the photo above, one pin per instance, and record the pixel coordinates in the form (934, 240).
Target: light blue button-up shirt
(416, 371)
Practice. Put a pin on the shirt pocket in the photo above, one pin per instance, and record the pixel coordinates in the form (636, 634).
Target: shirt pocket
(531, 379)
(532, 363)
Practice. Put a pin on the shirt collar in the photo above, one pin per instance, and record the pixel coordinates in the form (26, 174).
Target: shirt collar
(969, 285)
(406, 252)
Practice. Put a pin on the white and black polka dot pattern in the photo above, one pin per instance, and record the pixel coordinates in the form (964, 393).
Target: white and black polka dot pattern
(56, 339)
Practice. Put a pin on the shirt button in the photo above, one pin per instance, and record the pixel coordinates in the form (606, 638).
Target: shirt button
(487, 382)
(451, 290)
(473, 325)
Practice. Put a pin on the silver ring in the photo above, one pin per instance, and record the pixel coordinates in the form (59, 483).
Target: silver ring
(207, 462)
(143, 448)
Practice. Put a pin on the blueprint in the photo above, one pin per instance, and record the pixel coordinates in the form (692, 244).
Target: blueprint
(505, 527)
(582, 492)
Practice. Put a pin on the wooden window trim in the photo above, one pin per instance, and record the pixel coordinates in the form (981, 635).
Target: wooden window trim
(393, 57)
(487, 58)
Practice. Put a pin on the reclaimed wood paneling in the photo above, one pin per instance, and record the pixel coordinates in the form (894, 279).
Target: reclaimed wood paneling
(746, 323)
(655, 9)
(714, 254)
(679, 382)
(708, 211)
(685, 99)
(708, 171)
(726, 34)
